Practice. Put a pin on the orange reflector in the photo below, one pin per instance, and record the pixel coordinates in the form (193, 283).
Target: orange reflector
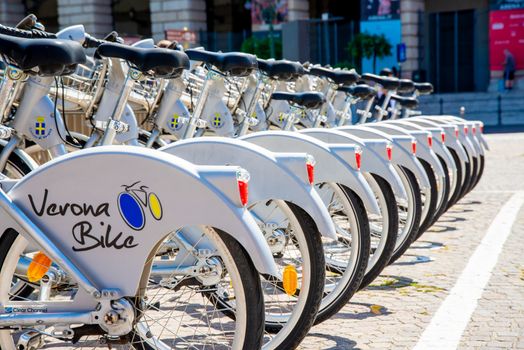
(430, 141)
(414, 147)
(389, 152)
(358, 158)
(443, 137)
(38, 267)
(290, 280)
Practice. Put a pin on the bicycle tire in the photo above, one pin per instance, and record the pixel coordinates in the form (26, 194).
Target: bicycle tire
(357, 275)
(432, 205)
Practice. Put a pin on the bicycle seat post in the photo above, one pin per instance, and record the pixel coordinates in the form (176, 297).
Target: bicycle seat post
(252, 94)
(211, 76)
(366, 113)
(110, 129)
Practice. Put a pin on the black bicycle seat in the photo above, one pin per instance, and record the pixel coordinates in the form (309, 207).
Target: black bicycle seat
(406, 86)
(232, 63)
(406, 102)
(341, 77)
(388, 83)
(281, 69)
(424, 88)
(52, 57)
(362, 91)
(310, 100)
(161, 63)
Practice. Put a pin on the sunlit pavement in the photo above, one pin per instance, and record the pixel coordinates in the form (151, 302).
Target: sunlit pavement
(396, 310)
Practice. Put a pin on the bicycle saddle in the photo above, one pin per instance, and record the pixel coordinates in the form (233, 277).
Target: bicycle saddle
(232, 63)
(341, 77)
(406, 86)
(406, 102)
(281, 69)
(362, 91)
(424, 88)
(312, 100)
(388, 83)
(161, 63)
(52, 57)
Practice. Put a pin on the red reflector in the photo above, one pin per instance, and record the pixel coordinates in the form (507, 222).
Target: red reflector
(244, 192)
(311, 173)
(430, 141)
(443, 137)
(389, 152)
(482, 129)
(474, 130)
(242, 180)
(310, 165)
(358, 158)
(466, 130)
(456, 133)
(414, 147)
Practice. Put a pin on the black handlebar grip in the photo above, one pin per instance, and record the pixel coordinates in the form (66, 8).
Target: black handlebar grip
(29, 34)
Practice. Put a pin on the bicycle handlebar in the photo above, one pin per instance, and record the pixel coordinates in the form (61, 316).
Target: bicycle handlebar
(29, 34)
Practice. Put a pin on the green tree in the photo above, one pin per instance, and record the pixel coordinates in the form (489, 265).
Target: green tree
(365, 45)
(261, 47)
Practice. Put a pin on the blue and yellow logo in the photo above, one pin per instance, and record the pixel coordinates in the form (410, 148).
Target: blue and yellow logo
(40, 126)
(132, 202)
(217, 120)
(174, 123)
(40, 129)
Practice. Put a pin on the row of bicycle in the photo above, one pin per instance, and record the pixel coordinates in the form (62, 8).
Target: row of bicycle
(249, 209)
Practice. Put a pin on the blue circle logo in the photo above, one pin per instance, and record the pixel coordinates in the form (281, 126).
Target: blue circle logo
(131, 211)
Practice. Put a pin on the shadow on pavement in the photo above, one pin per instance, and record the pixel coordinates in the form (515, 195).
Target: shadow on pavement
(417, 259)
(438, 227)
(427, 244)
(341, 343)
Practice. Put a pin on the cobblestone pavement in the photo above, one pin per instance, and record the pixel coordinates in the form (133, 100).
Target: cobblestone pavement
(393, 312)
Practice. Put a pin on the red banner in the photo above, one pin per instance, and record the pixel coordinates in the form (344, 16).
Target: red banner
(506, 31)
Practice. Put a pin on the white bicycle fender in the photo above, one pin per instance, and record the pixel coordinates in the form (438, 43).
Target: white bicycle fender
(462, 139)
(97, 223)
(480, 135)
(436, 134)
(472, 135)
(423, 150)
(449, 129)
(330, 163)
(466, 142)
(273, 175)
(374, 157)
(475, 133)
(402, 154)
